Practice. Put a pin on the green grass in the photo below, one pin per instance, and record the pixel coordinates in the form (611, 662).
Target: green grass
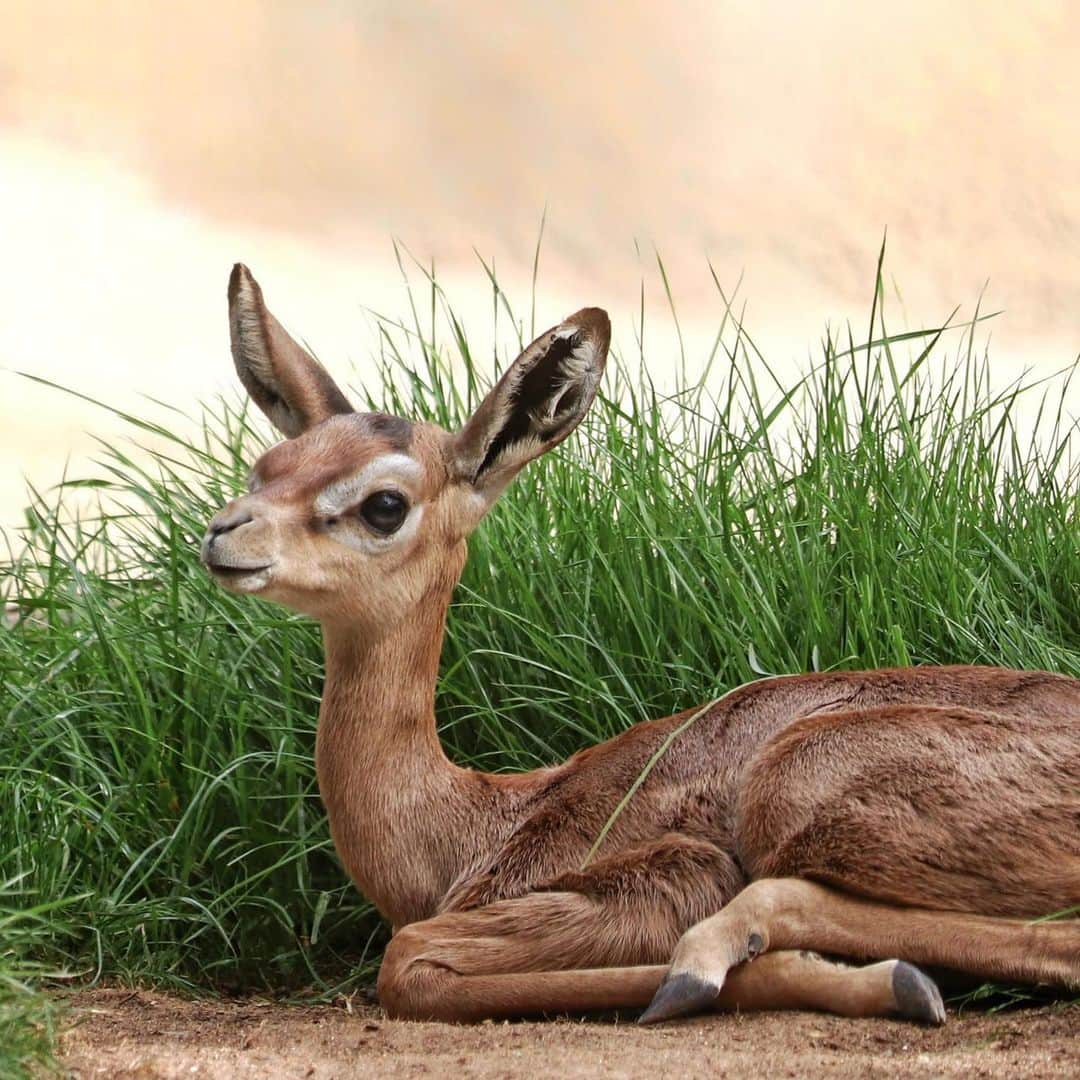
(158, 808)
(27, 1029)
(28, 1017)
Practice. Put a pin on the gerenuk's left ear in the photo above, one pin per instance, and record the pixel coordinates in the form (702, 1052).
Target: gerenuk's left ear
(539, 400)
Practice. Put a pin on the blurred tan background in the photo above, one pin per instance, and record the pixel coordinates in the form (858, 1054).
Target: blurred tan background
(145, 147)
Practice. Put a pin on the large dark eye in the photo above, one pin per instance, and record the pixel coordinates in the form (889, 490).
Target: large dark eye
(384, 511)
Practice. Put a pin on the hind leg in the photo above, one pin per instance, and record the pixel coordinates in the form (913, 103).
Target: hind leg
(789, 913)
(931, 821)
(941, 808)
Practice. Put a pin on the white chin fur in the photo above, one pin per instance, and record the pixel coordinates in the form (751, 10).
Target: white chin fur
(252, 582)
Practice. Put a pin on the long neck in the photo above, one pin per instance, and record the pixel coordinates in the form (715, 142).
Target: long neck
(406, 821)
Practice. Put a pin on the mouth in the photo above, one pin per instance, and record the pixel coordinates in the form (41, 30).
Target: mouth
(245, 578)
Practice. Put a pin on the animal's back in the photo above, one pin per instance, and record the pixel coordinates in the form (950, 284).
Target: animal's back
(692, 788)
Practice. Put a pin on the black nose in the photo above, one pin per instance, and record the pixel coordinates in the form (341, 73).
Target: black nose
(228, 520)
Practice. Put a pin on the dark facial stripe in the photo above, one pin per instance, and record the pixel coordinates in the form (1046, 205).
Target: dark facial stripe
(397, 432)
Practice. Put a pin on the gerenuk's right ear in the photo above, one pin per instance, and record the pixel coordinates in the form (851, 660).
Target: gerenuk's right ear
(283, 378)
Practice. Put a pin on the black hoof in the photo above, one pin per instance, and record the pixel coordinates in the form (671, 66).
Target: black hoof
(679, 995)
(917, 996)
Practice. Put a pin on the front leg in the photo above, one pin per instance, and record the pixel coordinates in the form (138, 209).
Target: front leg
(513, 958)
(598, 940)
(622, 912)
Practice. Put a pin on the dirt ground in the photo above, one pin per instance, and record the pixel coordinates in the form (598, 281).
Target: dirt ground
(139, 1035)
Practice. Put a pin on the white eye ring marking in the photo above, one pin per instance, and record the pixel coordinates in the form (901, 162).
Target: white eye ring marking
(388, 470)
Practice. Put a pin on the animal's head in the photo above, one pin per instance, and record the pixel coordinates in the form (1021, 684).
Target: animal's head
(358, 516)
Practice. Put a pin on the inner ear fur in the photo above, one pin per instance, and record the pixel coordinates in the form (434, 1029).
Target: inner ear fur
(539, 400)
(290, 386)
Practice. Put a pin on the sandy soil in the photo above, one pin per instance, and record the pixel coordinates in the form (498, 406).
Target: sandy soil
(137, 1034)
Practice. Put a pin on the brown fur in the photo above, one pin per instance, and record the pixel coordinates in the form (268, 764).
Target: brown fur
(950, 790)
(981, 809)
